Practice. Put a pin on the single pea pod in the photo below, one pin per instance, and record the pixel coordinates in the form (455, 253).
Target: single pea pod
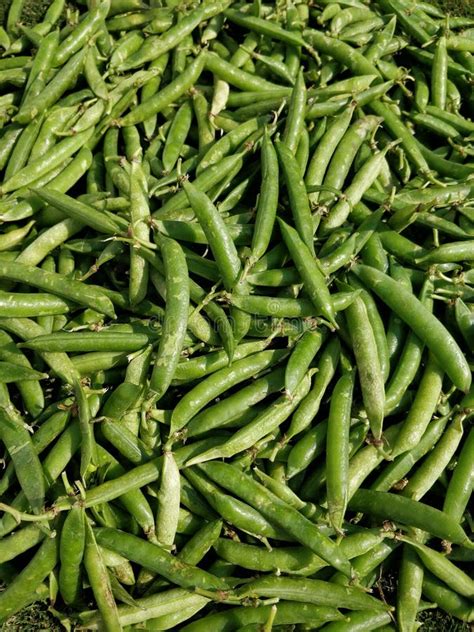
(310, 272)
(100, 582)
(368, 365)
(19, 445)
(337, 449)
(389, 506)
(301, 357)
(157, 560)
(175, 319)
(71, 551)
(311, 591)
(168, 502)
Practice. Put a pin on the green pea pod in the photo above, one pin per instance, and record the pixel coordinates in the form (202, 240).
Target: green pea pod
(199, 544)
(337, 448)
(260, 427)
(18, 593)
(460, 485)
(443, 568)
(411, 512)
(140, 216)
(368, 364)
(157, 560)
(296, 113)
(303, 354)
(423, 323)
(177, 135)
(434, 465)
(277, 511)
(268, 198)
(100, 583)
(312, 591)
(71, 552)
(124, 397)
(166, 96)
(168, 502)
(232, 510)
(19, 542)
(176, 317)
(64, 79)
(298, 198)
(226, 411)
(19, 445)
(311, 275)
(219, 382)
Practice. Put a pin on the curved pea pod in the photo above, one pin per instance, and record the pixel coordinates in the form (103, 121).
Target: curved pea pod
(465, 322)
(140, 229)
(159, 609)
(311, 591)
(18, 593)
(287, 613)
(125, 441)
(423, 323)
(324, 152)
(199, 366)
(232, 510)
(308, 447)
(460, 486)
(40, 167)
(337, 448)
(389, 506)
(22, 540)
(361, 622)
(10, 372)
(402, 464)
(177, 135)
(268, 198)
(297, 195)
(157, 560)
(309, 407)
(223, 249)
(444, 569)
(310, 272)
(13, 238)
(82, 33)
(364, 178)
(303, 354)
(122, 399)
(156, 46)
(447, 599)
(57, 284)
(19, 445)
(368, 364)
(422, 409)
(168, 501)
(119, 566)
(164, 97)
(244, 402)
(175, 319)
(71, 552)
(100, 582)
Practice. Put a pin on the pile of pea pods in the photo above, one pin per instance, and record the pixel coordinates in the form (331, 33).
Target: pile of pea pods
(237, 314)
